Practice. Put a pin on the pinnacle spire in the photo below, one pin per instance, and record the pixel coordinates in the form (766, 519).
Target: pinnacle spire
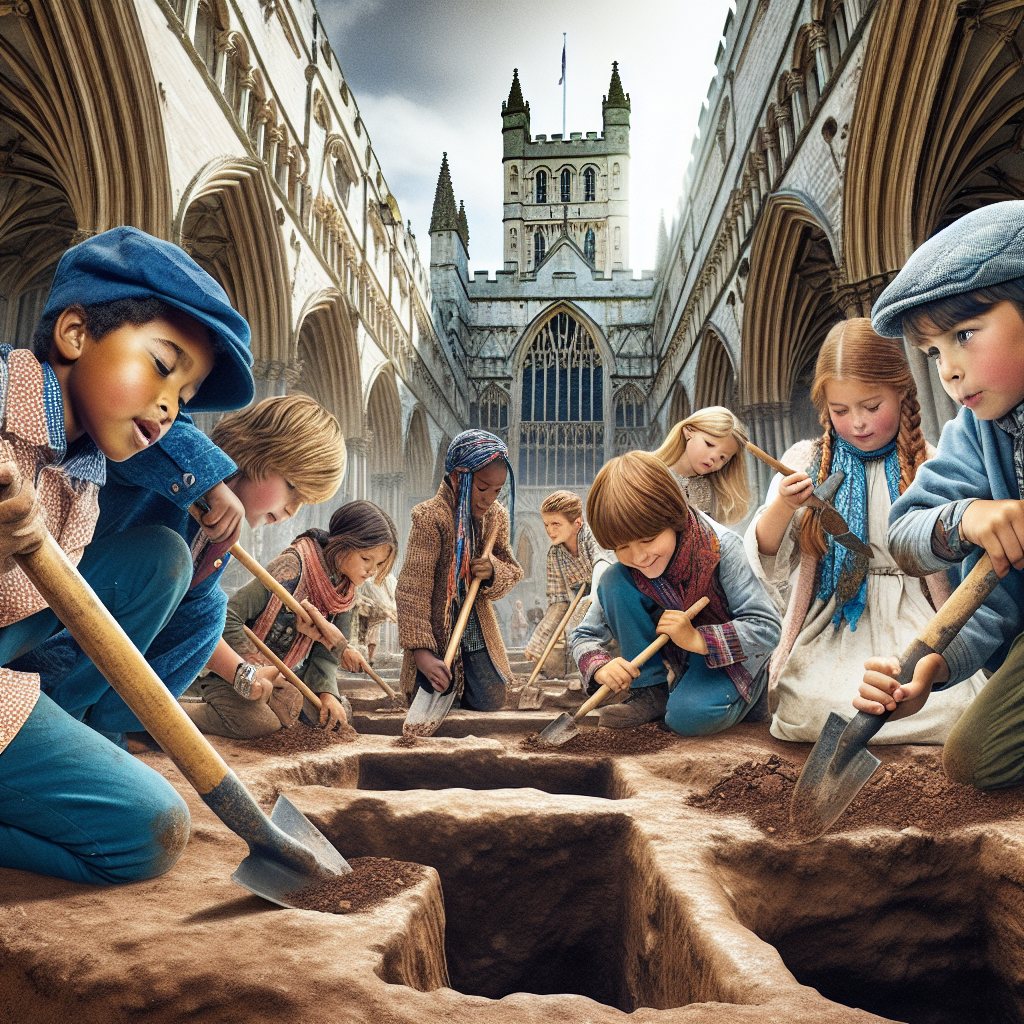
(444, 216)
(616, 97)
(516, 104)
(463, 226)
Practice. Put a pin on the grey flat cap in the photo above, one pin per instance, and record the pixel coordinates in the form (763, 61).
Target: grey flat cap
(983, 248)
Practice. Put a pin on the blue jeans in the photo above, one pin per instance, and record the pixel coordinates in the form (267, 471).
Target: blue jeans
(704, 701)
(484, 688)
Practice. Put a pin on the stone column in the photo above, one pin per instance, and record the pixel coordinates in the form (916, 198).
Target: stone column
(248, 81)
(223, 49)
(854, 10)
(785, 122)
(355, 472)
(796, 87)
(819, 43)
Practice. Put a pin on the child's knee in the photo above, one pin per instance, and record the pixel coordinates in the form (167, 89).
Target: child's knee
(156, 829)
(693, 718)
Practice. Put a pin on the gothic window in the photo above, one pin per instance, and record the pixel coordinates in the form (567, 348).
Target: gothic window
(629, 408)
(588, 245)
(566, 183)
(615, 177)
(491, 412)
(206, 31)
(256, 101)
(541, 187)
(513, 180)
(589, 185)
(342, 181)
(538, 249)
(234, 81)
(513, 239)
(561, 430)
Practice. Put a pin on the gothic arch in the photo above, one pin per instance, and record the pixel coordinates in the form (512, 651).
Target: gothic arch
(384, 421)
(329, 359)
(534, 327)
(419, 457)
(226, 221)
(679, 408)
(935, 132)
(716, 381)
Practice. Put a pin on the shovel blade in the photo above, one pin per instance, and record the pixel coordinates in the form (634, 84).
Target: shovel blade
(531, 698)
(267, 874)
(428, 711)
(828, 783)
(560, 731)
(826, 490)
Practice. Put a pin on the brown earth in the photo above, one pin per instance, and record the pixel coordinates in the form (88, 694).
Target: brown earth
(301, 738)
(646, 739)
(371, 881)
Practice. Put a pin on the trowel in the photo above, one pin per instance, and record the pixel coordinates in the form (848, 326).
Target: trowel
(531, 696)
(821, 498)
(563, 728)
(429, 707)
(840, 764)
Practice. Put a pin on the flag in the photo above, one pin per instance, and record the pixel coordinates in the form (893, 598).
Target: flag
(562, 79)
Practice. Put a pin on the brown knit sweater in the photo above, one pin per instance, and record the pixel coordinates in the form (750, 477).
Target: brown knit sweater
(423, 585)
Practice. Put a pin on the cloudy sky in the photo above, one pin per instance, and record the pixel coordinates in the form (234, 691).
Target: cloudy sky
(430, 76)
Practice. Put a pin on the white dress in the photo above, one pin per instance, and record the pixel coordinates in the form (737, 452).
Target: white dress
(826, 666)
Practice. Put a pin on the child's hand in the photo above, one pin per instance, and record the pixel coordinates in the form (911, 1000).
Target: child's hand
(682, 632)
(794, 490)
(529, 656)
(22, 528)
(352, 660)
(320, 628)
(481, 568)
(616, 675)
(433, 667)
(223, 523)
(998, 526)
(332, 712)
(880, 692)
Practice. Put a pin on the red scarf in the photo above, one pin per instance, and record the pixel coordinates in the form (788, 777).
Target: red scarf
(314, 584)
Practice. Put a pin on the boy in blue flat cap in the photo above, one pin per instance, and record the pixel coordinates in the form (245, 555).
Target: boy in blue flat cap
(960, 299)
(137, 331)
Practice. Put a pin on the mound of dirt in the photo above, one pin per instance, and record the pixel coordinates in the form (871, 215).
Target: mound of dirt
(371, 881)
(300, 739)
(898, 796)
(646, 739)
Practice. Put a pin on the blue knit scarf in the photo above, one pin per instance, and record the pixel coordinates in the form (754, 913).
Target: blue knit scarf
(844, 573)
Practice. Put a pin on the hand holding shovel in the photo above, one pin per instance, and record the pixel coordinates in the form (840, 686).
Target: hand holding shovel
(840, 764)
(563, 728)
(821, 498)
(531, 695)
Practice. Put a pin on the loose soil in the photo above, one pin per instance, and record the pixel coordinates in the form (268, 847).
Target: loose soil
(897, 796)
(300, 739)
(645, 739)
(372, 881)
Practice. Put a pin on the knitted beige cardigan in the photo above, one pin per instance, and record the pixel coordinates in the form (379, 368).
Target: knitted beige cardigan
(423, 620)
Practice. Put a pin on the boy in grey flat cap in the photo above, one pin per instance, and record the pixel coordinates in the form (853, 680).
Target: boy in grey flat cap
(960, 299)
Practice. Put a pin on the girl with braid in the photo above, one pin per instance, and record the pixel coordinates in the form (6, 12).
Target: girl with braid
(841, 607)
(443, 554)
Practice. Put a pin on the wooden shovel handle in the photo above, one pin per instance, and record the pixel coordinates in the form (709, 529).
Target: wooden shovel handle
(282, 668)
(127, 671)
(814, 501)
(961, 605)
(467, 607)
(557, 633)
(257, 570)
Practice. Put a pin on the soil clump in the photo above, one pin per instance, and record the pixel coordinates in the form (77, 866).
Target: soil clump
(645, 739)
(301, 739)
(897, 796)
(372, 881)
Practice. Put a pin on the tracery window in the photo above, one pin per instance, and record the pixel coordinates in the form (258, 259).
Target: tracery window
(588, 245)
(491, 412)
(561, 430)
(541, 187)
(566, 186)
(538, 249)
(342, 181)
(589, 185)
(205, 37)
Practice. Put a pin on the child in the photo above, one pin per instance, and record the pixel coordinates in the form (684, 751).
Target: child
(136, 330)
(443, 554)
(289, 450)
(375, 605)
(670, 556)
(519, 625)
(570, 565)
(323, 568)
(841, 606)
(701, 452)
(960, 299)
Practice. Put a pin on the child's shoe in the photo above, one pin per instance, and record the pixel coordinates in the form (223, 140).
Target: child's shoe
(644, 704)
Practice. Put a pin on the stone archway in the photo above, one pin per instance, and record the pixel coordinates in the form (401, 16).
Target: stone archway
(715, 382)
(384, 443)
(419, 457)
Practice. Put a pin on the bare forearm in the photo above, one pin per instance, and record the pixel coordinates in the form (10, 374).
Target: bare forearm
(224, 660)
(772, 526)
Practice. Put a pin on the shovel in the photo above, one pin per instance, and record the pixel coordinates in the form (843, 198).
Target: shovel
(286, 852)
(257, 570)
(563, 728)
(531, 697)
(821, 498)
(429, 708)
(840, 764)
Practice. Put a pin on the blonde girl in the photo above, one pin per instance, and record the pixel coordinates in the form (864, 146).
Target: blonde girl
(701, 452)
(841, 608)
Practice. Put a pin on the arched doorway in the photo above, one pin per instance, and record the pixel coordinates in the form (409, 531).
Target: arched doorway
(715, 383)
(384, 444)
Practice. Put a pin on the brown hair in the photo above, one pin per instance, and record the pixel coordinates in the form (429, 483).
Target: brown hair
(357, 526)
(634, 497)
(852, 351)
(292, 435)
(729, 485)
(563, 503)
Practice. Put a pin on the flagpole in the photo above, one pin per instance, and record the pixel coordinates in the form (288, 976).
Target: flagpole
(564, 85)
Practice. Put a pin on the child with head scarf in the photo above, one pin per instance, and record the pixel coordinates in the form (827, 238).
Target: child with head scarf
(444, 553)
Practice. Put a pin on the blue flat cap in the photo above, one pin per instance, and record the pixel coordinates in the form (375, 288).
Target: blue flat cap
(981, 249)
(126, 263)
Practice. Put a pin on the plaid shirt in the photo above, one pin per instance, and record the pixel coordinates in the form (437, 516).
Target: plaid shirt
(67, 484)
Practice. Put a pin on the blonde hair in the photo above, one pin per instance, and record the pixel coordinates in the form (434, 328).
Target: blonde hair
(291, 435)
(852, 351)
(563, 503)
(634, 497)
(729, 485)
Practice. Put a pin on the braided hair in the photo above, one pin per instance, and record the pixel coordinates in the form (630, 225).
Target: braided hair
(852, 351)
